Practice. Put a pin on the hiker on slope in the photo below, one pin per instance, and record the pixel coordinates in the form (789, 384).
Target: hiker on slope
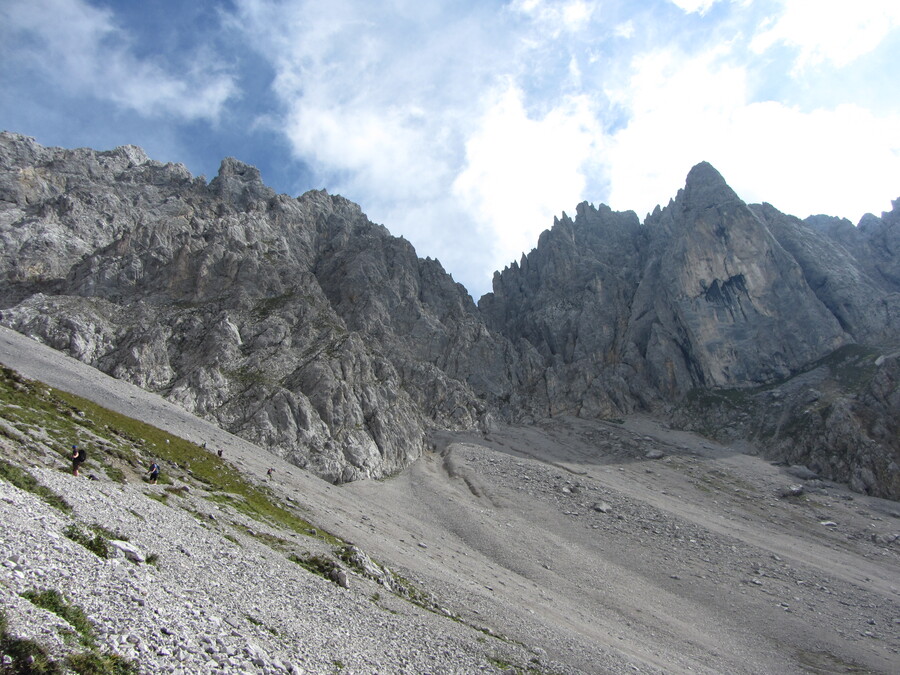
(79, 455)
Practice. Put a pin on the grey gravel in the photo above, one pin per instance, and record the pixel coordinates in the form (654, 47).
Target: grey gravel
(697, 567)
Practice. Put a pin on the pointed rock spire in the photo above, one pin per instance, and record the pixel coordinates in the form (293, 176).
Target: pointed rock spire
(705, 187)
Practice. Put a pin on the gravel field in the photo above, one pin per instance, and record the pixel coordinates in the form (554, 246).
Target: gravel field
(567, 546)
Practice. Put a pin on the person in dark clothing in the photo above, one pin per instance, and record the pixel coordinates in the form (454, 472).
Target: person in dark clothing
(79, 455)
(154, 472)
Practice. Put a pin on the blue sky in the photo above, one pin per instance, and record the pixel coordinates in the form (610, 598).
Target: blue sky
(467, 126)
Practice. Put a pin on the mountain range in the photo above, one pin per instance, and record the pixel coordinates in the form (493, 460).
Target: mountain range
(300, 325)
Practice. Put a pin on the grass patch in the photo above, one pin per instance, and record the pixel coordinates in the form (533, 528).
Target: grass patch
(25, 656)
(247, 377)
(219, 477)
(107, 533)
(161, 497)
(318, 564)
(95, 663)
(67, 418)
(96, 542)
(506, 666)
(258, 623)
(725, 482)
(266, 307)
(730, 399)
(115, 474)
(500, 663)
(53, 601)
(25, 481)
(270, 540)
(413, 593)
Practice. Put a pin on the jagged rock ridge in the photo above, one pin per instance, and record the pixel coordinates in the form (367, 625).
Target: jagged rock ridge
(302, 326)
(294, 322)
(712, 293)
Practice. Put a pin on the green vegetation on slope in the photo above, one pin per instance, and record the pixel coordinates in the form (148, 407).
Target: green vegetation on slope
(25, 481)
(37, 417)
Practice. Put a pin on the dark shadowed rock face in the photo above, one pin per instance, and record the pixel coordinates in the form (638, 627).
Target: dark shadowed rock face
(302, 326)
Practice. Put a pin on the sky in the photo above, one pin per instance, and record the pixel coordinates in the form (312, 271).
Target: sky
(467, 126)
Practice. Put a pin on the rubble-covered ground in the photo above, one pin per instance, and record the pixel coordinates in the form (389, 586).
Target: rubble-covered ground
(562, 547)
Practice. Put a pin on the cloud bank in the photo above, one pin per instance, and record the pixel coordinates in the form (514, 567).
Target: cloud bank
(466, 127)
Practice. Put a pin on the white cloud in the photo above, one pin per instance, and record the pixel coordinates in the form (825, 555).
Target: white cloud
(694, 6)
(441, 123)
(842, 161)
(379, 100)
(677, 109)
(834, 30)
(555, 18)
(371, 97)
(521, 170)
(625, 29)
(81, 48)
(386, 150)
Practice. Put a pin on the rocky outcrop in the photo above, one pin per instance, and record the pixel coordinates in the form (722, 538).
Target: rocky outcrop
(296, 323)
(838, 419)
(711, 294)
(304, 327)
(704, 294)
(853, 272)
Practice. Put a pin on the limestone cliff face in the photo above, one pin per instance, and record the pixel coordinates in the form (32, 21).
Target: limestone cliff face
(708, 292)
(301, 325)
(735, 307)
(296, 323)
(713, 294)
(568, 301)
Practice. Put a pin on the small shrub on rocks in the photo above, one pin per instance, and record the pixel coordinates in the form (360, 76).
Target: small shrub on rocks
(107, 533)
(53, 601)
(25, 481)
(23, 657)
(96, 544)
(324, 567)
(317, 564)
(115, 474)
(95, 663)
(19, 656)
(162, 498)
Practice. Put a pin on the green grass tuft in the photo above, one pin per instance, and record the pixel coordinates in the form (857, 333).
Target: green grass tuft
(26, 657)
(96, 543)
(95, 663)
(53, 601)
(317, 564)
(25, 481)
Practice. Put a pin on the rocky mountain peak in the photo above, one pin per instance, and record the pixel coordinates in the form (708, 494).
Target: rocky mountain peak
(132, 154)
(706, 188)
(303, 326)
(239, 183)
